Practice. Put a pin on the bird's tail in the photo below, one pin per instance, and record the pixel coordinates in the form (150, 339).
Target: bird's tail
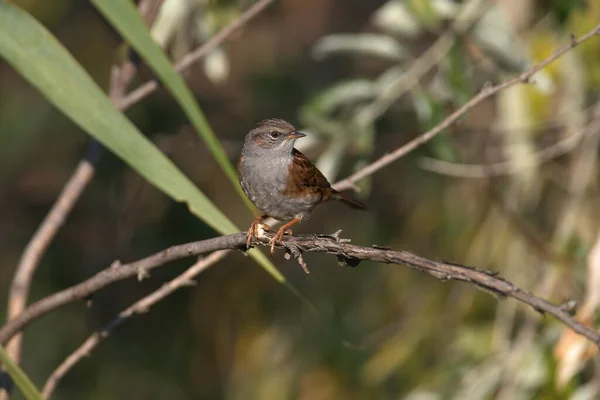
(349, 201)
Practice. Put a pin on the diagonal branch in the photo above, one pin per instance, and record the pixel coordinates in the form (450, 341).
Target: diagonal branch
(149, 87)
(347, 254)
(485, 93)
(558, 149)
(55, 301)
(139, 307)
(121, 76)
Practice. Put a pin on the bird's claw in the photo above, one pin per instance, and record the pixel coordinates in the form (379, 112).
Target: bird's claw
(274, 241)
(254, 231)
(249, 239)
(278, 236)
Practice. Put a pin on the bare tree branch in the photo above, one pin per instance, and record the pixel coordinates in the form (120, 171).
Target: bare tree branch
(347, 254)
(121, 76)
(485, 93)
(19, 288)
(139, 307)
(470, 11)
(562, 147)
(147, 88)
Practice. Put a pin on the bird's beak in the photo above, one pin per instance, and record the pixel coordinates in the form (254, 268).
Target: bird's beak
(295, 135)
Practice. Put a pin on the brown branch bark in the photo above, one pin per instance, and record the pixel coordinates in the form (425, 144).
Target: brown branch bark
(149, 87)
(349, 182)
(121, 76)
(485, 93)
(562, 147)
(19, 288)
(139, 307)
(347, 254)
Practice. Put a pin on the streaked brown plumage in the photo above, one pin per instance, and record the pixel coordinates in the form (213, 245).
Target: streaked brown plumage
(279, 180)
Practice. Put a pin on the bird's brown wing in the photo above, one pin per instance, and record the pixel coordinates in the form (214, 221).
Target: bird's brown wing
(307, 177)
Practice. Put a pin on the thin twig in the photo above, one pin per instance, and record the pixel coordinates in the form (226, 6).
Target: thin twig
(9, 330)
(194, 56)
(19, 289)
(120, 78)
(562, 147)
(139, 307)
(469, 12)
(486, 92)
(347, 254)
(35, 249)
(83, 174)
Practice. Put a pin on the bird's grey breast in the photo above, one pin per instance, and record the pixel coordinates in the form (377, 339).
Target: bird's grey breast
(263, 181)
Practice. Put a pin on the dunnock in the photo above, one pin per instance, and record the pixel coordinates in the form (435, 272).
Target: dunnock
(280, 181)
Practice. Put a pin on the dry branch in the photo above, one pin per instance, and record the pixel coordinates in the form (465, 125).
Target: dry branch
(196, 55)
(485, 93)
(140, 306)
(346, 253)
(121, 76)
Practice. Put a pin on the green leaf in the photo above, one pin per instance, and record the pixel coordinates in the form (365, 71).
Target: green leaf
(371, 44)
(44, 62)
(19, 377)
(343, 93)
(124, 17)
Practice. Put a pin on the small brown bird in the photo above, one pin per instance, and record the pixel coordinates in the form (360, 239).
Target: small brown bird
(279, 180)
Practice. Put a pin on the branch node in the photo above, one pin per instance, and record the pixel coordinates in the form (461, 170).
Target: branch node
(189, 283)
(142, 274)
(539, 310)
(569, 306)
(439, 275)
(347, 261)
(573, 39)
(293, 250)
(116, 264)
(486, 87)
(336, 237)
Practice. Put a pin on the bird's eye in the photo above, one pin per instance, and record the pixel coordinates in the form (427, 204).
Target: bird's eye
(274, 134)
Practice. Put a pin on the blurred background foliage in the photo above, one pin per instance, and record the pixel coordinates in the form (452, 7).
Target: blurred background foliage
(513, 188)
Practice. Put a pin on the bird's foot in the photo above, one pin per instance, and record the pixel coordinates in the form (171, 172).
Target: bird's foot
(282, 231)
(276, 239)
(254, 230)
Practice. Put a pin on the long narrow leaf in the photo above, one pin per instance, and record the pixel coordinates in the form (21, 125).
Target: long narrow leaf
(19, 377)
(124, 17)
(44, 62)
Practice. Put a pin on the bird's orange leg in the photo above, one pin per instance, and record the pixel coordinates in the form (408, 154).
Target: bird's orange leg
(281, 232)
(253, 231)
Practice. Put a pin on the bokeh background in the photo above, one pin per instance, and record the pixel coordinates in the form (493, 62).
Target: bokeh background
(513, 187)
